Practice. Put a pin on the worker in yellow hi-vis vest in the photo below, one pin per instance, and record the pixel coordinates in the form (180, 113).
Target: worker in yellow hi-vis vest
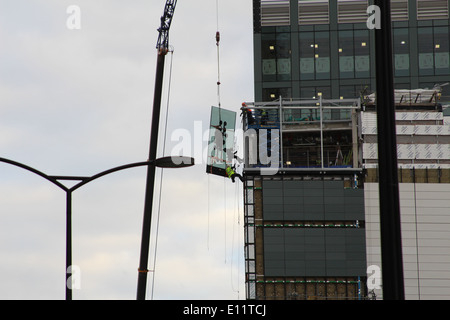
(232, 174)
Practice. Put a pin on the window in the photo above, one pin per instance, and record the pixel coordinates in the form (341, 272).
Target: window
(354, 54)
(276, 56)
(314, 93)
(314, 55)
(441, 50)
(353, 92)
(425, 44)
(346, 55)
(270, 94)
(401, 52)
(433, 51)
(306, 43)
(362, 54)
(313, 12)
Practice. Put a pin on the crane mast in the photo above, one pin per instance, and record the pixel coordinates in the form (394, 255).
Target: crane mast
(163, 48)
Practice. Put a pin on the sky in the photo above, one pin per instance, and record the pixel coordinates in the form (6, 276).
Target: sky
(78, 101)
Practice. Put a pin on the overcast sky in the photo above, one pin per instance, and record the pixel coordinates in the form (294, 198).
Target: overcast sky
(78, 102)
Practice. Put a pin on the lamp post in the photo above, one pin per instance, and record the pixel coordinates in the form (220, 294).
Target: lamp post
(164, 162)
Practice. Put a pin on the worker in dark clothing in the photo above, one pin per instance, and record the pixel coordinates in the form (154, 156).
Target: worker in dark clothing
(232, 174)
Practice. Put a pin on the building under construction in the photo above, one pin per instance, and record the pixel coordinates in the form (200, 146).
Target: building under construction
(311, 179)
(423, 153)
(311, 211)
(304, 211)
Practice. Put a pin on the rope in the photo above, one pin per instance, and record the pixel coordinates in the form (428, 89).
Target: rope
(236, 210)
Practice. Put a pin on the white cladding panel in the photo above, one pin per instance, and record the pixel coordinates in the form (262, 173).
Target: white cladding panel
(425, 216)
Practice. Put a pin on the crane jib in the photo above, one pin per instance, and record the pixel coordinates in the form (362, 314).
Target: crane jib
(166, 20)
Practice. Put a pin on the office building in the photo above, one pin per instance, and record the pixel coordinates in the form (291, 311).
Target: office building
(311, 223)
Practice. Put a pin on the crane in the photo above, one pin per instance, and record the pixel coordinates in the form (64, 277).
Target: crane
(166, 21)
(163, 47)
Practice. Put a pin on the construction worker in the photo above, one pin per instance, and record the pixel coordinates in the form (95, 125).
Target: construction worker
(264, 116)
(231, 174)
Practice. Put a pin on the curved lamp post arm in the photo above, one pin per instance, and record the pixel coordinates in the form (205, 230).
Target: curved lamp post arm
(104, 173)
(39, 173)
(165, 162)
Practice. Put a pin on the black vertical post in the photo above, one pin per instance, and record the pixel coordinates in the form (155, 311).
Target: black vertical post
(146, 225)
(68, 242)
(391, 244)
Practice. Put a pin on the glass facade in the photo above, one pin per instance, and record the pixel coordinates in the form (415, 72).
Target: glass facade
(354, 54)
(315, 59)
(433, 51)
(326, 48)
(401, 50)
(276, 56)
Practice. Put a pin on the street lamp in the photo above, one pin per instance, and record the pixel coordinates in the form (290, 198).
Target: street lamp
(164, 162)
(174, 162)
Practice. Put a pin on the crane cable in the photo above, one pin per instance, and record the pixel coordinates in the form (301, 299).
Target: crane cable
(218, 57)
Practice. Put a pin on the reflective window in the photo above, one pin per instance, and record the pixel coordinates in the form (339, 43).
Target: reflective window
(425, 49)
(313, 93)
(362, 54)
(441, 50)
(306, 43)
(346, 55)
(270, 94)
(354, 54)
(433, 51)
(276, 56)
(314, 55)
(401, 52)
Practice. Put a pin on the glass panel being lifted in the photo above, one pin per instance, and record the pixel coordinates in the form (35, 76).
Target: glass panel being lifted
(221, 141)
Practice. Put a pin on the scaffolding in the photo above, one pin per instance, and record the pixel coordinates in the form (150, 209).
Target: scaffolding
(317, 133)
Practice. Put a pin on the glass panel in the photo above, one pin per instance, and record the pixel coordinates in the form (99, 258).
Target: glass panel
(322, 55)
(401, 52)
(425, 48)
(270, 94)
(268, 54)
(314, 55)
(221, 140)
(441, 50)
(306, 43)
(276, 56)
(346, 54)
(283, 54)
(362, 54)
(347, 92)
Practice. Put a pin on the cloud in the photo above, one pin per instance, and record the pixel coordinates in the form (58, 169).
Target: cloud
(77, 102)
